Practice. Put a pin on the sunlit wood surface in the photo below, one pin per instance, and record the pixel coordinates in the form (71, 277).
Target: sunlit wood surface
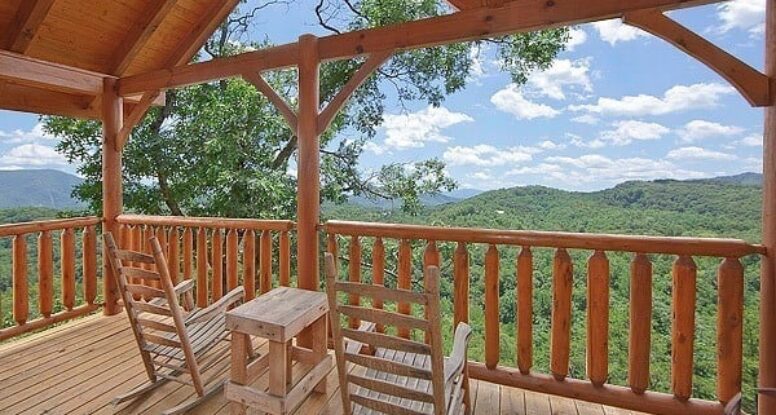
(78, 367)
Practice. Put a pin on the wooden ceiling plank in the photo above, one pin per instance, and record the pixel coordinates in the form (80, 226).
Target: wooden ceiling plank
(24, 26)
(138, 35)
(49, 76)
(750, 82)
(479, 23)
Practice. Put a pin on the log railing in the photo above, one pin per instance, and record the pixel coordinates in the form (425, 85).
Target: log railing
(220, 254)
(55, 254)
(635, 394)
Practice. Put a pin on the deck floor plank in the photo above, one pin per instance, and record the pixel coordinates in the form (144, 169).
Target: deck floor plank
(78, 367)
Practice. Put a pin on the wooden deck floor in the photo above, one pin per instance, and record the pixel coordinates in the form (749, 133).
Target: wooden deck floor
(78, 367)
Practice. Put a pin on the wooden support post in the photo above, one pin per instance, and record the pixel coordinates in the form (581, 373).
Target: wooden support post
(767, 403)
(112, 201)
(308, 164)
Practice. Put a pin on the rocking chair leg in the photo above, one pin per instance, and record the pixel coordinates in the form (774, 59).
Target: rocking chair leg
(140, 390)
(210, 391)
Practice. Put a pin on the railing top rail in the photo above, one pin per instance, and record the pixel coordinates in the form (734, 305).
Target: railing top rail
(714, 247)
(221, 223)
(13, 229)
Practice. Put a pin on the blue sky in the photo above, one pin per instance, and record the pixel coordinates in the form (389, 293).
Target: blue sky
(619, 105)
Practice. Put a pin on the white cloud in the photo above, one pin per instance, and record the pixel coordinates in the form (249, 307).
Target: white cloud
(577, 37)
(678, 98)
(481, 175)
(563, 73)
(35, 135)
(748, 15)
(586, 119)
(414, 130)
(754, 140)
(487, 155)
(32, 155)
(578, 141)
(698, 130)
(615, 31)
(698, 153)
(375, 148)
(625, 132)
(550, 145)
(512, 101)
(591, 168)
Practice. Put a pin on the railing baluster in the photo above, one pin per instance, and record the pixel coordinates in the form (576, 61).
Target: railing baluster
(683, 330)
(354, 275)
(640, 332)
(598, 318)
(730, 328)
(492, 320)
(525, 310)
(188, 253)
(45, 274)
(285, 259)
(249, 264)
(560, 339)
(231, 259)
(404, 279)
(21, 308)
(202, 297)
(266, 261)
(173, 250)
(217, 262)
(89, 256)
(136, 241)
(378, 274)
(461, 282)
(68, 268)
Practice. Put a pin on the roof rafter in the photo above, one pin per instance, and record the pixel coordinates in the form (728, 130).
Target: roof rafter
(750, 82)
(25, 25)
(138, 35)
(185, 50)
(482, 22)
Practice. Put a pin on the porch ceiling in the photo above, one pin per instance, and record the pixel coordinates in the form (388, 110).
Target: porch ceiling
(113, 38)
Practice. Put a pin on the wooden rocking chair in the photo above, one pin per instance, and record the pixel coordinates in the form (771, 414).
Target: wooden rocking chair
(173, 341)
(401, 376)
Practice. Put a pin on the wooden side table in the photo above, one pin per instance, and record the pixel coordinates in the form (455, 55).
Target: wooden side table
(278, 316)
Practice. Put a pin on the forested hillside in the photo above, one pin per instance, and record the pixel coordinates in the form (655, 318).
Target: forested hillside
(710, 208)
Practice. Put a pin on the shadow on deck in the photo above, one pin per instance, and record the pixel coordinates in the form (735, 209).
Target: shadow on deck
(77, 368)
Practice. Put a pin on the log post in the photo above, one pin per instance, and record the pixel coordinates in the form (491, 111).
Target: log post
(112, 200)
(308, 177)
(308, 173)
(767, 403)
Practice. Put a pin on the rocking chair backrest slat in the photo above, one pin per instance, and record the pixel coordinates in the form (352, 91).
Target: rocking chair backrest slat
(431, 369)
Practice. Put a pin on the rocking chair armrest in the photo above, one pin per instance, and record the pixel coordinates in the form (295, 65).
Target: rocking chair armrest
(733, 407)
(184, 287)
(219, 307)
(454, 365)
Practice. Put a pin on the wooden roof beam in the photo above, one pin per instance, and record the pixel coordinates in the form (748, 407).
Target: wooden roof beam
(24, 26)
(139, 34)
(49, 76)
(750, 82)
(479, 23)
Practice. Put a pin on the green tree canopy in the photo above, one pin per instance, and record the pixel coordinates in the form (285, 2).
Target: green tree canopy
(222, 149)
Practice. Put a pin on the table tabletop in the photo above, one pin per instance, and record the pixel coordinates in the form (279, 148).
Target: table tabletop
(278, 315)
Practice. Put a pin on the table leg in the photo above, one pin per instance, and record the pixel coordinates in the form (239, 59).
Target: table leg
(289, 360)
(278, 368)
(320, 350)
(241, 342)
